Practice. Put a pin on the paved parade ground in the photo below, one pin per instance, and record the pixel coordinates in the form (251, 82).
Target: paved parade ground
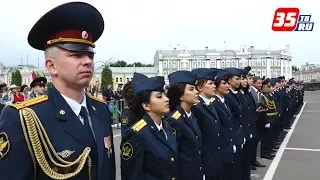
(299, 155)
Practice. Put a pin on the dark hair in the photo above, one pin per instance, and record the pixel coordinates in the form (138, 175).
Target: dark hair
(200, 82)
(22, 88)
(217, 82)
(135, 107)
(127, 93)
(175, 91)
(244, 89)
(256, 78)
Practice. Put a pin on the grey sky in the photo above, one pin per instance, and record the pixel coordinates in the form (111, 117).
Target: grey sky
(136, 28)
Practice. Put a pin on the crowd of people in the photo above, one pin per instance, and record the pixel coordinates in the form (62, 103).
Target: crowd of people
(205, 125)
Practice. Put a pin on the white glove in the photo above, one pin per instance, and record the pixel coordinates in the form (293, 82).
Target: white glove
(250, 136)
(234, 149)
(287, 109)
(204, 177)
(241, 146)
(244, 140)
(267, 125)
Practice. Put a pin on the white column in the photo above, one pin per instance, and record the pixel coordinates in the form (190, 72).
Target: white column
(268, 67)
(281, 67)
(290, 69)
(160, 68)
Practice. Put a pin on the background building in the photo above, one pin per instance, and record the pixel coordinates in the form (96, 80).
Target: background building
(269, 63)
(308, 73)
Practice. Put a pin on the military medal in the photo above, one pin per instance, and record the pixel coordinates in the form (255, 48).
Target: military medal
(108, 145)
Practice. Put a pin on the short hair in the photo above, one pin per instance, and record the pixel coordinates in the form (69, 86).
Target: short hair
(256, 78)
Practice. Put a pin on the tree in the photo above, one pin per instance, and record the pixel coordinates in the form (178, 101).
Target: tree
(49, 84)
(295, 68)
(118, 64)
(16, 78)
(139, 64)
(106, 78)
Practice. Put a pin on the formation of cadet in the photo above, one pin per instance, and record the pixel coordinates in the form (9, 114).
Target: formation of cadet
(207, 125)
(64, 134)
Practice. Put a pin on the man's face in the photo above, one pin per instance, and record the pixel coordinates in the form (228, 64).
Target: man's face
(73, 69)
(40, 88)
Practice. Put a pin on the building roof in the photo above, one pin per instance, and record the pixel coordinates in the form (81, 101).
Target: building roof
(129, 70)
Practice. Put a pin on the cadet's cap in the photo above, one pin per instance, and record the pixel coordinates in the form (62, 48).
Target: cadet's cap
(247, 71)
(235, 71)
(282, 78)
(73, 26)
(273, 81)
(138, 77)
(204, 73)
(223, 75)
(38, 78)
(149, 84)
(186, 77)
(266, 82)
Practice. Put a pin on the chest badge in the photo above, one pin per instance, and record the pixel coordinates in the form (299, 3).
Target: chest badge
(4, 145)
(65, 153)
(108, 145)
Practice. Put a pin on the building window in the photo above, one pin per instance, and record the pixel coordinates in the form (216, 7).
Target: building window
(233, 63)
(264, 72)
(199, 64)
(169, 65)
(223, 64)
(258, 62)
(187, 65)
(164, 64)
(263, 62)
(203, 64)
(213, 64)
(228, 64)
(117, 80)
(174, 65)
(121, 80)
(194, 65)
(165, 74)
(279, 63)
(253, 63)
(127, 79)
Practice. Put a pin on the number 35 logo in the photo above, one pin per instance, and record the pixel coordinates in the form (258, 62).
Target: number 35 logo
(285, 19)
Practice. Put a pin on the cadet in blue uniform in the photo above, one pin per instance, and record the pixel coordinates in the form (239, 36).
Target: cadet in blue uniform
(228, 147)
(148, 148)
(182, 96)
(232, 99)
(209, 123)
(65, 134)
(127, 118)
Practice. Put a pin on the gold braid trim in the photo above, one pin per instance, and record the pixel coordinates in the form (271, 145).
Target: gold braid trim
(35, 130)
(270, 104)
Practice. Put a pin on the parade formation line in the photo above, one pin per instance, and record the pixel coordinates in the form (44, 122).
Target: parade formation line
(273, 167)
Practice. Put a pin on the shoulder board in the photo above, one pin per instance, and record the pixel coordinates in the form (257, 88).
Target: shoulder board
(176, 115)
(212, 99)
(30, 102)
(139, 125)
(126, 107)
(96, 99)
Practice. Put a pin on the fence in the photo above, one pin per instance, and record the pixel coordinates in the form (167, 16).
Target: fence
(116, 108)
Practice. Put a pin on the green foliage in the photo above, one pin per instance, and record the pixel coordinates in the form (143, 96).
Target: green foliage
(122, 63)
(106, 78)
(16, 78)
(49, 84)
(295, 68)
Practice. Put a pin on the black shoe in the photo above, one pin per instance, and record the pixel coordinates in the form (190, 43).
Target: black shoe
(272, 155)
(253, 168)
(273, 151)
(258, 164)
(276, 147)
(267, 157)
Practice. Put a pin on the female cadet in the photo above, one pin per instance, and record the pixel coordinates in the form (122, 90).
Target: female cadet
(148, 148)
(247, 122)
(228, 147)
(209, 123)
(232, 99)
(182, 96)
(127, 118)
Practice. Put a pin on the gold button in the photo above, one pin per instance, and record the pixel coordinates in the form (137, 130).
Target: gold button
(240, 125)
(172, 159)
(199, 152)
(219, 147)
(230, 129)
(197, 137)
(248, 124)
(229, 117)
(218, 134)
(215, 121)
(231, 140)
(173, 178)
(200, 168)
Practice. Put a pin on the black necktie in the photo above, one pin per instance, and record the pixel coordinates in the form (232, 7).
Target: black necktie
(162, 134)
(84, 115)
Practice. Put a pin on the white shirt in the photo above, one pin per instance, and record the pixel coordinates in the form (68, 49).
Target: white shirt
(159, 127)
(188, 114)
(76, 108)
(222, 100)
(206, 100)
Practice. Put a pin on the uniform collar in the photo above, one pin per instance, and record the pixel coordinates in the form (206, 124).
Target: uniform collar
(75, 106)
(221, 98)
(159, 127)
(206, 100)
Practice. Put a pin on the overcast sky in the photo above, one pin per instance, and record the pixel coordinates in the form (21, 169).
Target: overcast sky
(136, 28)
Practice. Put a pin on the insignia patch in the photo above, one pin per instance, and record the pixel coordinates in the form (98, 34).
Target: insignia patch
(93, 108)
(4, 145)
(125, 120)
(212, 99)
(108, 145)
(84, 35)
(62, 112)
(126, 151)
(174, 132)
(65, 153)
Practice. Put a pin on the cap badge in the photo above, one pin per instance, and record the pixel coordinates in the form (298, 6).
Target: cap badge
(84, 35)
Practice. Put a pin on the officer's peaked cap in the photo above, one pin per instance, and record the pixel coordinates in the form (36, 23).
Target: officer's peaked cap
(73, 26)
(186, 77)
(149, 84)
